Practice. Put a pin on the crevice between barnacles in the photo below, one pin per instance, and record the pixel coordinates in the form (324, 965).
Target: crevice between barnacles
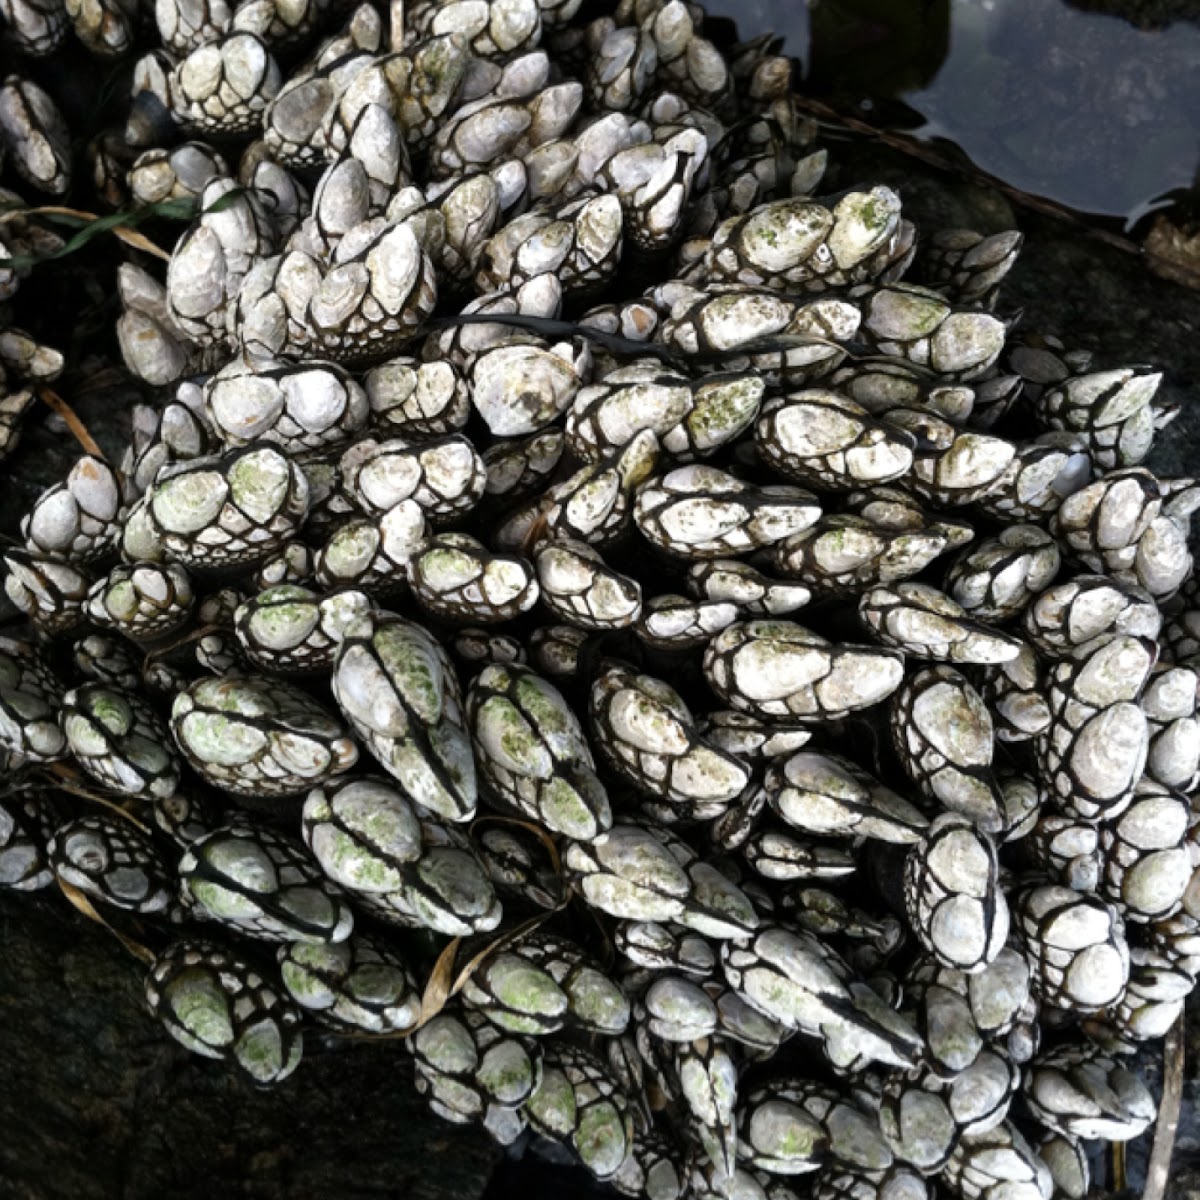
(186, 639)
(537, 831)
(1158, 1170)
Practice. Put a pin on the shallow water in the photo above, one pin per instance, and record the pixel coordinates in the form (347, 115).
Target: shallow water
(1084, 108)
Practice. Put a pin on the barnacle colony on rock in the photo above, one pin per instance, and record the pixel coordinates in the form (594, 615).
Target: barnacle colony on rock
(543, 502)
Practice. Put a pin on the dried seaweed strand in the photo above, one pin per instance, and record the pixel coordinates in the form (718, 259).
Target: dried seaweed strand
(84, 905)
(54, 401)
(1117, 1166)
(1158, 1171)
(75, 789)
(93, 224)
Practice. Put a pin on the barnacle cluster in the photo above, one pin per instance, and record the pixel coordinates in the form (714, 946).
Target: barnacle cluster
(542, 502)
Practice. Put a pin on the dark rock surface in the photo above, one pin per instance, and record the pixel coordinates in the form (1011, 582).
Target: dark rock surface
(96, 1103)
